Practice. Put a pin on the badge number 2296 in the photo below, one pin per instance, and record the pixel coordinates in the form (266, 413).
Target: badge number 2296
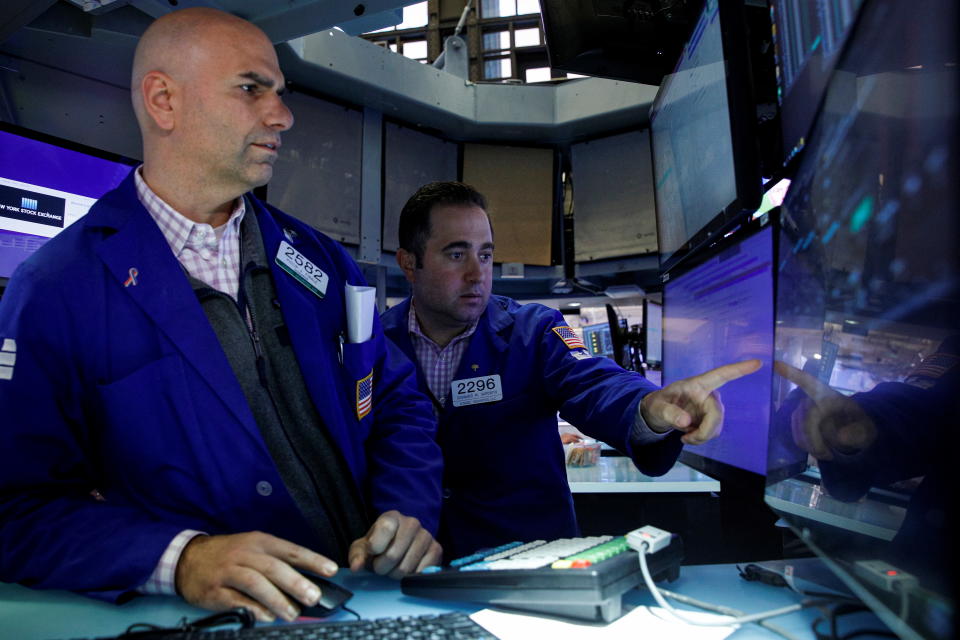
(304, 271)
(476, 390)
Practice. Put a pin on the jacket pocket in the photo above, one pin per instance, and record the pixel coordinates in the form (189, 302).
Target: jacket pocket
(358, 371)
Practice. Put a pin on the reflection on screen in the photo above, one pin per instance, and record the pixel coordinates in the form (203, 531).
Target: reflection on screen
(694, 176)
(868, 317)
(808, 37)
(44, 188)
(721, 312)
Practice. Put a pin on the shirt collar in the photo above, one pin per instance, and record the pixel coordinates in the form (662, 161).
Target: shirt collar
(179, 230)
(413, 326)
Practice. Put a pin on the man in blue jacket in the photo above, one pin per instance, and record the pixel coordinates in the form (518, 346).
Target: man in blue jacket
(498, 373)
(181, 410)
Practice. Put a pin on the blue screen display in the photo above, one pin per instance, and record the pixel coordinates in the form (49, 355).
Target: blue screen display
(719, 312)
(44, 188)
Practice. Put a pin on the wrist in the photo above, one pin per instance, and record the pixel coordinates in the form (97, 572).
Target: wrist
(647, 418)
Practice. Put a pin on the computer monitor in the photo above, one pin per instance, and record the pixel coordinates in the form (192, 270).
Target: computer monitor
(621, 40)
(872, 252)
(703, 125)
(808, 36)
(652, 332)
(717, 312)
(47, 184)
(597, 339)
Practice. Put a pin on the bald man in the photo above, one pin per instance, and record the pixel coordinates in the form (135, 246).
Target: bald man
(185, 412)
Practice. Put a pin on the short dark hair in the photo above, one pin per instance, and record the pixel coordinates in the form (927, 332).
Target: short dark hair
(415, 216)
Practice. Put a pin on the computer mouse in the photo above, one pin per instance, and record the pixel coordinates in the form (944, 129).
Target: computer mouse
(332, 596)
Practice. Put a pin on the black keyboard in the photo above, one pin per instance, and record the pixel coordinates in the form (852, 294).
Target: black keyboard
(580, 578)
(433, 626)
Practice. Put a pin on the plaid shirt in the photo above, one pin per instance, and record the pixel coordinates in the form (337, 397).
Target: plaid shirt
(163, 579)
(210, 255)
(439, 364)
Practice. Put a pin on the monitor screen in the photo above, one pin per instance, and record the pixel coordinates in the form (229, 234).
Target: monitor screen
(46, 185)
(867, 338)
(703, 121)
(652, 332)
(719, 312)
(808, 37)
(598, 340)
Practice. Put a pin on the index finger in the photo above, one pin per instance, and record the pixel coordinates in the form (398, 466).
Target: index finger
(716, 378)
(810, 385)
(297, 556)
(382, 533)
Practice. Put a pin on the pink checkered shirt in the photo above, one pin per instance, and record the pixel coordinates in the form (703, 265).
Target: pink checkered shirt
(210, 255)
(163, 579)
(439, 364)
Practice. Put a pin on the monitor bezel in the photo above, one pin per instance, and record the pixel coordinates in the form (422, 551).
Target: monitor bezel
(741, 109)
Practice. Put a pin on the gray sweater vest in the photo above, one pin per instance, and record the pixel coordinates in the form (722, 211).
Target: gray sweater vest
(263, 360)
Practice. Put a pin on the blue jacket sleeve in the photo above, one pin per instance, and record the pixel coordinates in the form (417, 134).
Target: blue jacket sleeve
(910, 423)
(601, 398)
(54, 534)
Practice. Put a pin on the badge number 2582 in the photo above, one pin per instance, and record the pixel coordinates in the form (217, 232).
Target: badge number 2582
(304, 271)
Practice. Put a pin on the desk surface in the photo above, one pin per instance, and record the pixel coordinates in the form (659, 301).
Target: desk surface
(26, 614)
(617, 474)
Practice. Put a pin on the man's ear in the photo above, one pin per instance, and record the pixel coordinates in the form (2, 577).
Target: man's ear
(407, 263)
(159, 93)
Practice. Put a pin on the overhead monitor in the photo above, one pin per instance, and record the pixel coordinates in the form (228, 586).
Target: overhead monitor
(808, 37)
(868, 329)
(622, 40)
(703, 122)
(47, 184)
(717, 312)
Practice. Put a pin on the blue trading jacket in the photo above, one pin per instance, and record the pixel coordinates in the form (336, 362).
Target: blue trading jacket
(125, 391)
(504, 472)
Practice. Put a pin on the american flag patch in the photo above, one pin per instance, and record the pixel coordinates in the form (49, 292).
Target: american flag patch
(934, 366)
(569, 338)
(364, 395)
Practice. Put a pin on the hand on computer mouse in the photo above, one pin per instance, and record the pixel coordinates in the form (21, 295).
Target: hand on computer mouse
(395, 545)
(253, 570)
(332, 596)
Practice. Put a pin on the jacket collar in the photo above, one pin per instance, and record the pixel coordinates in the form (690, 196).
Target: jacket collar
(495, 319)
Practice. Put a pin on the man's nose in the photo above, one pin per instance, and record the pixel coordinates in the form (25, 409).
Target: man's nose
(474, 270)
(278, 116)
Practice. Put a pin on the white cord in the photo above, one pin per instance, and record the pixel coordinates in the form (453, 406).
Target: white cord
(676, 613)
(719, 608)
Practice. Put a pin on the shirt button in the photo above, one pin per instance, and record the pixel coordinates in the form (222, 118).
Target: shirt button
(264, 488)
(447, 493)
(205, 254)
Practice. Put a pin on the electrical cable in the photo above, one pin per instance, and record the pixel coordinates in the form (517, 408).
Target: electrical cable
(144, 631)
(734, 620)
(835, 613)
(729, 611)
